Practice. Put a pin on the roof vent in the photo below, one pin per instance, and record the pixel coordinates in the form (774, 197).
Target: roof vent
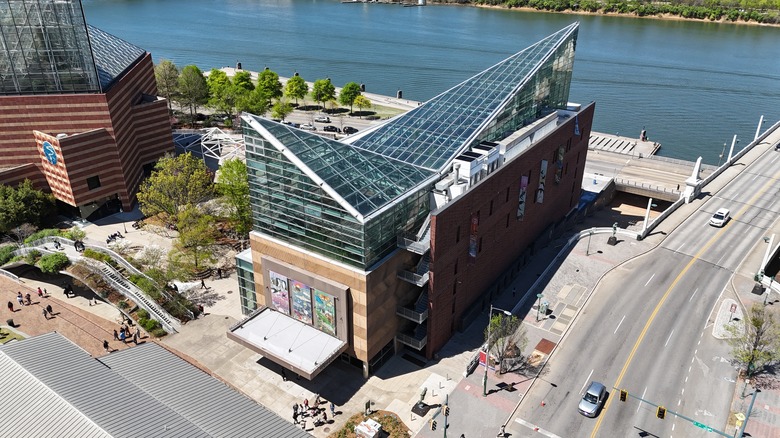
(59, 136)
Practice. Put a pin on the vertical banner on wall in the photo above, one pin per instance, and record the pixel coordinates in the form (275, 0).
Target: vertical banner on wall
(559, 164)
(325, 310)
(301, 302)
(577, 125)
(280, 296)
(523, 195)
(473, 237)
(542, 178)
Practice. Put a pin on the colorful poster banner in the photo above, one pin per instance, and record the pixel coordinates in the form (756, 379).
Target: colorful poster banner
(280, 297)
(473, 236)
(559, 164)
(542, 178)
(523, 195)
(301, 302)
(325, 310)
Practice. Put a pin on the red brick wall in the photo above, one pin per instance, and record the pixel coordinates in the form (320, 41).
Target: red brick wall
(499, 245)
(15, 175)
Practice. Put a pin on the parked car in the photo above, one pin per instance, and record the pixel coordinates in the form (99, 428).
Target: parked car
(593, 399)
(322, 119)
(720, 217)
(293, 124)
(331, 128)
(308, 127)
(349, 130)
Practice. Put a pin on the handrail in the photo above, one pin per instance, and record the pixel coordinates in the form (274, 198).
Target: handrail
(412, 315)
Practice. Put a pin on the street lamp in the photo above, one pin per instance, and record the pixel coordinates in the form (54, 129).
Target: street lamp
(538, 305)
(121, 211)
(487, 353)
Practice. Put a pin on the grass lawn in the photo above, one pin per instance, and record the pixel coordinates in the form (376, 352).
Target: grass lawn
(6, 335)
(392, 426)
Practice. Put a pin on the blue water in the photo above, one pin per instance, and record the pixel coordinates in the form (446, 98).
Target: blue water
(692, 85)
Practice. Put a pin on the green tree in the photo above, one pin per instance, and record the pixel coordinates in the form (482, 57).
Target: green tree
(167, 76)
(507, 338)
(296, 88)
(281, 109)
(255, 102)
(349, 93)
(24, 204)
(233, 187)
(194, 247)
(323, 91)
(223, 95)
(175, 182)
(243, 79)
(362, 103)
(755, 342)
(268, 82)
(53, 263)
(193, 89)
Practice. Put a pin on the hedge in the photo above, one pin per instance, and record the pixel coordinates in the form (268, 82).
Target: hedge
(53, 263)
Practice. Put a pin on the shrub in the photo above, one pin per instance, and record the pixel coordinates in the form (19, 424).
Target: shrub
(32, 257)
(158, 332)
(53, 263)
(142, 313)
(41, 234)
(74, 234)
(5, 253)
(123, 304)
(148, 286)
(149, 324)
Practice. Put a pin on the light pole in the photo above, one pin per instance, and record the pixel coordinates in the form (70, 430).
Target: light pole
(587, 250)
(487, 353)
(538, 305)
(121, 211)
(723, 152)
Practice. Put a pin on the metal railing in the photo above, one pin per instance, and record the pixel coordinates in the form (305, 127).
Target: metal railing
(10, 275)
(413, 278)
(412, 315)
(648, 187)
(411, 341)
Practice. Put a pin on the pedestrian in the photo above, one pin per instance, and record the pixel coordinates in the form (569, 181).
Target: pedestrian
(306, 403)
(219, 273)
(45, 293)
(28, 299)
(40, 292)
(332, 410)
(20, 299)
(49, 309)
(135, 337)
(284, 376)
(45, 314)
(324, 417)
(295, 407)
(123, 337)
(503, 431)
(202, 283)
(105, 345)
(116, 335)
(11, 306)
(295, 417)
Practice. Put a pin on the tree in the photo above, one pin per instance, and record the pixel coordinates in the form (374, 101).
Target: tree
(296, 88)
(24, 204)
(233, 186)
(194, 247)
(362, 103)
(268, 82)
(756, 342)
(167, 76)
(507, 337)
(349, 92)
(323, 91)
(22, 232)
(243, 79)
(193, 89)
(175, 182)
(222, 93)
(255, 102)
(53, 263)
(281, 109)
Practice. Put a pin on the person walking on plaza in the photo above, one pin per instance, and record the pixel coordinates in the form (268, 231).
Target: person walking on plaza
(28, 299)
(105, 345)
(49, 309)
(116, 336)
(20, 299)
(45, 314)
(332, 410)
(40, 292)
(135, 336)
(202, 283)
(11, 306)
(123, 336)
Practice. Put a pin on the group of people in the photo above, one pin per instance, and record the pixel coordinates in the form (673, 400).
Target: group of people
(125, 335)
(113, 237)
(318, 415)
(26, 300)
(79, 246)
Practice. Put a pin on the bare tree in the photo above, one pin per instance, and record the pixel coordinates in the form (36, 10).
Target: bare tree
(507, 338)
(755, 341)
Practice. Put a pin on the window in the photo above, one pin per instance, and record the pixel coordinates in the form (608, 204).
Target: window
(480, 246)
(93, 182)
(457, 235)
(507, 220)
(507, 195)
(491, 208)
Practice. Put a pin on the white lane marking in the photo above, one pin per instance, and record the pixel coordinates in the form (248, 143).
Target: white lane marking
(694, 294)
(686, 379)
(648, 281)
(681, 247)
(667, 339)
(582, 390)
(678, 402)
(673, 424)
(754, 177)
(532, 427)
(682, 392)
(618, 326)
(643, 396)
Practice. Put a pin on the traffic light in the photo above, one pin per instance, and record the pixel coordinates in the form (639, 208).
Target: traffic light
(623, 395)
(446, 411)
(433, 424)
(661, 412)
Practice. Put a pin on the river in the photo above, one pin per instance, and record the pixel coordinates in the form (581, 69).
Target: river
(692, 85)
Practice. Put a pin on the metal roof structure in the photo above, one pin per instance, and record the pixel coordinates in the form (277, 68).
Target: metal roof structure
(113, 56)
(54, 388)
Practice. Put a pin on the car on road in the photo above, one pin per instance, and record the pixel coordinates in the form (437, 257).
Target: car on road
(294, 125)
(593, 400)
(331, 128)
(308, 127)
(720, 217)
(349, 130)
(322, 119)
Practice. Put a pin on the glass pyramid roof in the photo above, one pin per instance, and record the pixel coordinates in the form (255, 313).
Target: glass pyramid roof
(434, 133)
(365, 180)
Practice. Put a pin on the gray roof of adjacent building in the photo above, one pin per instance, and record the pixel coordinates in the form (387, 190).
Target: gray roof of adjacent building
(54, 388)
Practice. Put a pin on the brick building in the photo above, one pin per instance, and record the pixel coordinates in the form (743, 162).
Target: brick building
(79, 112)
(390, 238)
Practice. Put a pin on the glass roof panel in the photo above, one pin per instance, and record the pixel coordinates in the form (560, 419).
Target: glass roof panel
(430, 135)
(112, 55)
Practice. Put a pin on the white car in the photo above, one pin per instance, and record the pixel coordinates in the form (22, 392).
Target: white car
(322, 119)
(308, 127)
(720, 217)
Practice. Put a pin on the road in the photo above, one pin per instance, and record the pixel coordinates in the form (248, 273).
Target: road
(647, 328)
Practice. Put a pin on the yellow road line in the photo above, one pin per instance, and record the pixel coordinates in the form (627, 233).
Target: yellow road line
(666, 295)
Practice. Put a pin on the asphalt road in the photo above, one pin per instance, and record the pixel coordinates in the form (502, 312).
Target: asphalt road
(647, 328)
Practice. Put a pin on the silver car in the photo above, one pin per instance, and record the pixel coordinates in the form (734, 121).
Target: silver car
(593, 400)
